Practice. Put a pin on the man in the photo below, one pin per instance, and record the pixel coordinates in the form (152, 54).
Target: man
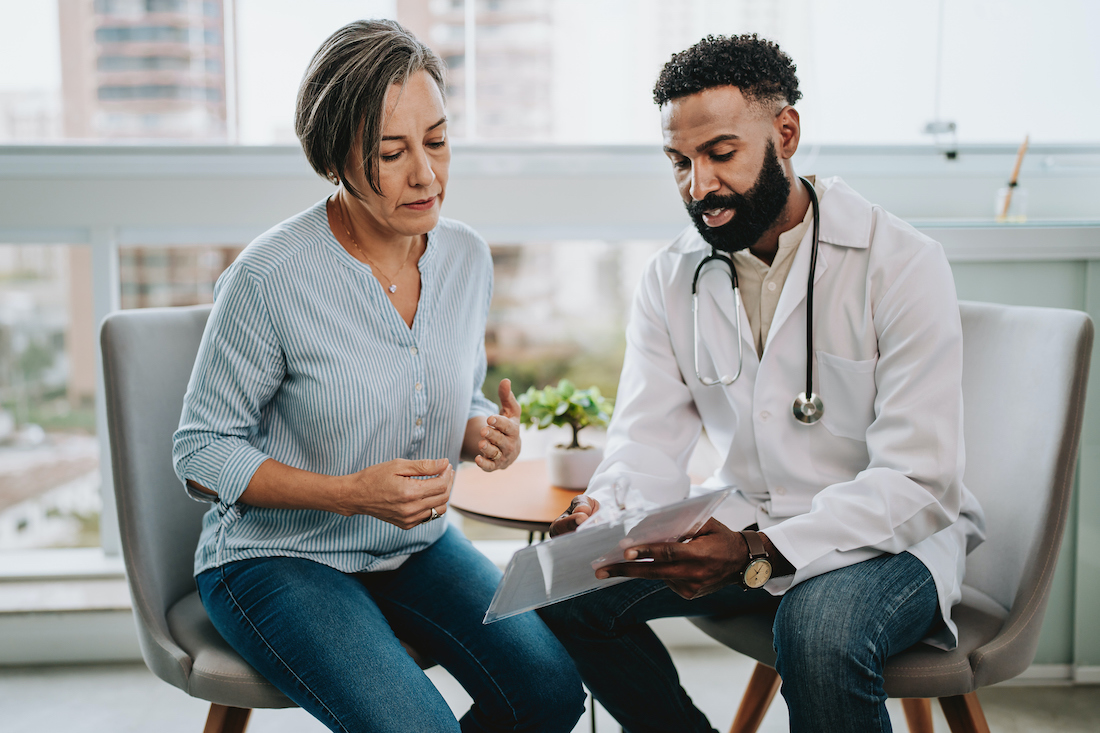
(861, 515)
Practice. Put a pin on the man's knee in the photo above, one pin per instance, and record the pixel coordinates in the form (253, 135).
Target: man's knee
(819, 644)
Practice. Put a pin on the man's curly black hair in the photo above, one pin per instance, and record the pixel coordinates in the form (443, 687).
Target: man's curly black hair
(754, 65)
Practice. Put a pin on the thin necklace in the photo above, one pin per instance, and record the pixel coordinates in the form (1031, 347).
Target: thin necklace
(346, 220)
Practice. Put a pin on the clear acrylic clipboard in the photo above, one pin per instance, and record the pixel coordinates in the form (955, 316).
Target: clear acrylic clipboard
(565, 567)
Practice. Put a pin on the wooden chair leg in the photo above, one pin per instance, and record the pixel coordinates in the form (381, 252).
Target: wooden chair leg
(758, 697)
(964, 713)
(918, 714)
(224, 719)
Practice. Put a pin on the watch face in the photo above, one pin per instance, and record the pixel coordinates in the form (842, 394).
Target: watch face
(758, 573)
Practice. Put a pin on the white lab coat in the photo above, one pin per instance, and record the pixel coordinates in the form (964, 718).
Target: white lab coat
(881, 472)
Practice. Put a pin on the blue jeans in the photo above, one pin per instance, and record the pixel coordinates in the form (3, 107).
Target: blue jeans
(833, 634)
(329, 641)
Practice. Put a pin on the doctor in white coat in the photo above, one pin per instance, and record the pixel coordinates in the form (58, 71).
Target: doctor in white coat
(854, 527)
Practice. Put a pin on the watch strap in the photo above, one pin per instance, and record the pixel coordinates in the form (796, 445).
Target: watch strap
(755, 544)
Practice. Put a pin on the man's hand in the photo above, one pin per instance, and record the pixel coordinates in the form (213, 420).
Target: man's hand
(710, 560)
(580, 509)
(500, 440)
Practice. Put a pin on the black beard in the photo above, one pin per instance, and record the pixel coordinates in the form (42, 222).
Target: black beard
(754, 212)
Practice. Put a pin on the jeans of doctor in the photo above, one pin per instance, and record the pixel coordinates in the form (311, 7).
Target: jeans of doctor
(833, 634)
(327, 640)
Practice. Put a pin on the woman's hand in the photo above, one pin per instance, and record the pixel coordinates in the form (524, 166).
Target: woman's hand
(400, 492)
(500, 442)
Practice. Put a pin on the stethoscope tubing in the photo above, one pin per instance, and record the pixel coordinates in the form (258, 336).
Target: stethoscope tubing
(724, 381)
(808, 406)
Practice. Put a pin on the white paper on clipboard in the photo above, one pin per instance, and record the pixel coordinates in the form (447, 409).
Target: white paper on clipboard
(565, 566)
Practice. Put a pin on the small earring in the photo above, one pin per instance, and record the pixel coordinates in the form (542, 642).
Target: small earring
(334, 178)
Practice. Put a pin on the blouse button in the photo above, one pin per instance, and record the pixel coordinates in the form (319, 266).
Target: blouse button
(771, 287)
(412, 350)
(419, 386)
(419, 422)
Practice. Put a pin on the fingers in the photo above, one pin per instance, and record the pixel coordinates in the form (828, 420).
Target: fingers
(509, 407)
(580, 509)
(425, 467)
(419, 510)
(436, 488)
(583, 503)
(430, 515)
(659, 571)
(486, 464)
(664, 552)
(499, 445)
(501, 425)
(567, 523)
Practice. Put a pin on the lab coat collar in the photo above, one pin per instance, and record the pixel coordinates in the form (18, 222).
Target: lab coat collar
(845, 215)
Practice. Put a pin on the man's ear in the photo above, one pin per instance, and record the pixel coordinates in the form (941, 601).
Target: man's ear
(788, 128)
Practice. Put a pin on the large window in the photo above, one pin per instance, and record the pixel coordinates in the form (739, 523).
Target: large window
(49, 455)
(541, 73)
(572, 71)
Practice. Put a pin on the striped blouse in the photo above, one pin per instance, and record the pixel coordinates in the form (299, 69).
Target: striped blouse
(305, 360)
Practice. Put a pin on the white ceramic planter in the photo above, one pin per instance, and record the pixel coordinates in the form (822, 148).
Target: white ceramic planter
(572, 468)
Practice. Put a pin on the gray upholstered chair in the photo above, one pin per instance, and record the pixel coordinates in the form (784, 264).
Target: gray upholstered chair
(1024, 377)
(147, 360)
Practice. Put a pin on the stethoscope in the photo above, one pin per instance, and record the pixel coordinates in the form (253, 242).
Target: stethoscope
(807, 407)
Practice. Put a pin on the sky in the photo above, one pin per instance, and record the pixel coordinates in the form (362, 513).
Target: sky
(30, 57)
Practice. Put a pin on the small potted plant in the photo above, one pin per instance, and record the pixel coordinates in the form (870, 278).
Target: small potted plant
(569, 466)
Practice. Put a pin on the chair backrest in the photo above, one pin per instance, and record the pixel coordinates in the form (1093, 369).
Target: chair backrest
(147, 359)
(1024, 376)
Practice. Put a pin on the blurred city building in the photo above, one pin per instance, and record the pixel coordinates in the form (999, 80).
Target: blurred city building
(143, 68)
(513, 57)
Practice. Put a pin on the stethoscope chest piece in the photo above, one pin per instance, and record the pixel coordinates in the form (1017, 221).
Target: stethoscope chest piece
(808, 410)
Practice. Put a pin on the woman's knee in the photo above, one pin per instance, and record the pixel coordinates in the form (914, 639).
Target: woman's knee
(561, 697)
(545, 689)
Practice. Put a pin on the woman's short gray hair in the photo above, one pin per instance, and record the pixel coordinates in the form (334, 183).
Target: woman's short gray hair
(343, 93)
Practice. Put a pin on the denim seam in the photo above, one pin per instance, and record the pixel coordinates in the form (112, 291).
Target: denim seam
(893, 612)
(275, 654)
(474, 657)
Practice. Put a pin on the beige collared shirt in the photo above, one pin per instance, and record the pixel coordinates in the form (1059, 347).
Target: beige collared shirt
(761, 285)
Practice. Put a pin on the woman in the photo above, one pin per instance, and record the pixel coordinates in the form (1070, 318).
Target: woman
(337, 384)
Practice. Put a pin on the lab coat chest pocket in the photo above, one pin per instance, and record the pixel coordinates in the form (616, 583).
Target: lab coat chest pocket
(848, 391)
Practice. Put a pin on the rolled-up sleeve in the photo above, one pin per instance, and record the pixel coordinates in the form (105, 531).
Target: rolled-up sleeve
(239, 367)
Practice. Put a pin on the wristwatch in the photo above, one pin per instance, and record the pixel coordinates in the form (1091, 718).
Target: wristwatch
(758, 571)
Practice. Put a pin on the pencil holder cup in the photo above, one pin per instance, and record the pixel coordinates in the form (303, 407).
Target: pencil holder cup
(1017, 205)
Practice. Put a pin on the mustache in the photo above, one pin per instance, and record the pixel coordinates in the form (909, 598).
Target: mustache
(714, 201)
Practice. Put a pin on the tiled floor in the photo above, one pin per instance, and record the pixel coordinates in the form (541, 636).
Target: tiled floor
(127, 699)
